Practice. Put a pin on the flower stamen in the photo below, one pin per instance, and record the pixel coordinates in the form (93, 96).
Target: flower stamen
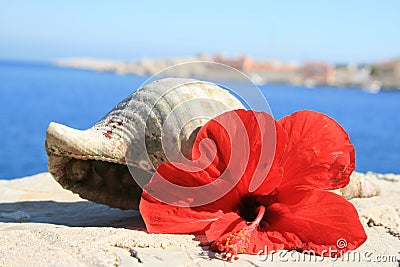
(239, 241)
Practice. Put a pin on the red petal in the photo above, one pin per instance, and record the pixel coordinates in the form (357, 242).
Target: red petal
(189, 186)
(319, 153)
(166, 200)
(258, 142)
(160, 217)
(319, 220)
(266, 243)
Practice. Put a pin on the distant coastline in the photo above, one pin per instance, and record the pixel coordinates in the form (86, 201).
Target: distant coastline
(370, 77)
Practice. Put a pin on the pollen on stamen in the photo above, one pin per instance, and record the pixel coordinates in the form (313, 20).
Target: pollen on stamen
(239, 241)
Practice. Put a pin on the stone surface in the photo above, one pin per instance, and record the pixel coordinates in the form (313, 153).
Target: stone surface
(65, 230)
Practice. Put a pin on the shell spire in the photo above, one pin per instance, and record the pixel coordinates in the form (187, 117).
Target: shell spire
(85, 145)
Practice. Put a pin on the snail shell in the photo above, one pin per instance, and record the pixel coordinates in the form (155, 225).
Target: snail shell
(93, 162)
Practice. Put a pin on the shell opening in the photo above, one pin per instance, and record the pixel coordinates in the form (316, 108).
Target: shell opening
(102, 182)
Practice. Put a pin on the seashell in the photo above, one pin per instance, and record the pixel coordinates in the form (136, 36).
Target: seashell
(359, 187)
(93, 162)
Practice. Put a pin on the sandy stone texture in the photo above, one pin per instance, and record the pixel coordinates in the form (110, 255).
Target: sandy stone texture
(42, 224)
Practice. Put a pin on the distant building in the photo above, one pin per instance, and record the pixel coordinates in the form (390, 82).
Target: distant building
(317, 73)
(239, 63)
(263, 71)
(388, 73)
(352, 75)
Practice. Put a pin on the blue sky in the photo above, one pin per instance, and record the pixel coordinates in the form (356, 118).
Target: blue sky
(336, 31)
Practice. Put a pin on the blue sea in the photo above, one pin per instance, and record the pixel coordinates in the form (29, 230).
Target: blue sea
(34, 94)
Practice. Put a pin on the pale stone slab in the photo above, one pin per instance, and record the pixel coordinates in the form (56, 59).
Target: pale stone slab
(65, 230)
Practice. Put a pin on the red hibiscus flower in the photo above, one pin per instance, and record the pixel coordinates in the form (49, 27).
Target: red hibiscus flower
(276, 200)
